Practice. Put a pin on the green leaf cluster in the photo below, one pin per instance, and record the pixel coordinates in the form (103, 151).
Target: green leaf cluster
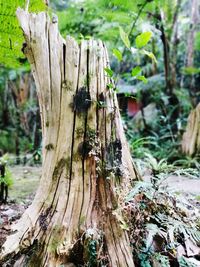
(11, 36)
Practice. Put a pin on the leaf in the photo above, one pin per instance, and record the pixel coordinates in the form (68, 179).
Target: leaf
(191, 70)
(139, 187)
(162, 261)
(109, 72)
(143, 39)
(117, 54)
(135, 71)
(110, 86)
(142, 78)
(11, 38)
(124, 37)
(183, 262)
(150, 55)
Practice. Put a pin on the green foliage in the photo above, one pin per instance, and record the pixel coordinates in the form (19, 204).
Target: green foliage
(124, 37)
(11, 37)
(8, 178)
(159, 222)
(109, 72)
(117, 54)
(183, 262)
(150, 55)
(7, 140)
(162, 260)
(157, 166)
(142, 78)
(92, 251)
(191, 71)
(197, 41)
(135, 71)
(143, 39)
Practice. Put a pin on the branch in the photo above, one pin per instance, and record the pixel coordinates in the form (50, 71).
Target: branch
(27, 5)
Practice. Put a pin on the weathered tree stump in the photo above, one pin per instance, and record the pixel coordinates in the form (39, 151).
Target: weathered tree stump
(85, 156)
(191, 137)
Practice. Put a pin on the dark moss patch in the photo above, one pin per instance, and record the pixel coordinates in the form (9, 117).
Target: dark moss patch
(88, 144)
(59, 168)
(81, 101)
(49, 147)
(84, 148)
(43, 222)
(79, 132)
(101, 102)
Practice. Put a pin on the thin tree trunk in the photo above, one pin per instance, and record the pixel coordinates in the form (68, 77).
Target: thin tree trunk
(86, 162)
(174, 44)
(191, 35)
(189, 58)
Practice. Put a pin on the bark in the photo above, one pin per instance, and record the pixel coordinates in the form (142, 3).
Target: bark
(86, 160)
(191, 138)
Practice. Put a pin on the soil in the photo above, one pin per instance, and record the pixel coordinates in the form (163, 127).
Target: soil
(21, 194)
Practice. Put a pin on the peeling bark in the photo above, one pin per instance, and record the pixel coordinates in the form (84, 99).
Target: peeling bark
(85, 156)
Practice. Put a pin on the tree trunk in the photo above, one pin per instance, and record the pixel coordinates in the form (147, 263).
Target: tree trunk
(74, 217)
(192, 31)
(191, 138)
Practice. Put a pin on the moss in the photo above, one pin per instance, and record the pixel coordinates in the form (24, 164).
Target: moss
(88, 144)
(79, 132)
(47, 124)
(56, 238)
(81, 101)
(76, 157)
(35, 255)
(67, 85)
(43, 219)
(101, 102)
(59, 168)
(49, 147)
(68, 163)
(113, 160)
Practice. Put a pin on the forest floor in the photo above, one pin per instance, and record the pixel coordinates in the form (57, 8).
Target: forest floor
(26, 180)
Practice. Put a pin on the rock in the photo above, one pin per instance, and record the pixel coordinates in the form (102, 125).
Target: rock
(150, 115)
(191, 248)
(11, 213)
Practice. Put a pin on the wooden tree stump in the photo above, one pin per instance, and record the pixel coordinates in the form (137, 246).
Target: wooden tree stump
(191, 137)
(86, 160)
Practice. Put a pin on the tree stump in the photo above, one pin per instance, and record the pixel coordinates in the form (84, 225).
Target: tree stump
(86, 160)
(191, 137)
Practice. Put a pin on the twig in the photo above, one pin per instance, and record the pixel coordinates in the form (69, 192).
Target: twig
(27, 5)
(135, 21)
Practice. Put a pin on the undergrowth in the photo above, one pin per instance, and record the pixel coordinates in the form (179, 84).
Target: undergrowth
(164, 227)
